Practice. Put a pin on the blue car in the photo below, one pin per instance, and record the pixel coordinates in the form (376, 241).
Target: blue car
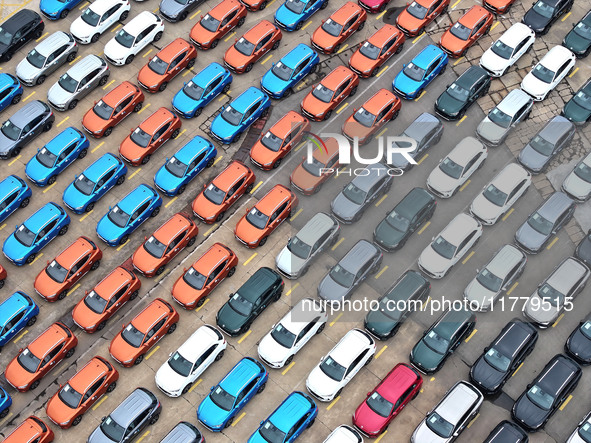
(279, 81)
(54, 9)
(5, 403)
(35, 233)
(237, 117)
(201, 89)
(16, 312)
(127, 215)
(14, 193)
(295, 414)
(178, 171)
(88, 188)
(11, 91)
(229, 396)
(59, 153)
(422, 70)
(292, 14)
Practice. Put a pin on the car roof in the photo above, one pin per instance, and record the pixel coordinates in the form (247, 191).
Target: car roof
(245, 100)
(300, 316)
(344, 434)
(113, 281)
(567, 274)
(7, 81)
(135, 198)
(156, 120)
(554, 206)
(421, 126)
(457, 401)
(261, 279)
(507, 432)
(171, 228)
(208, 74)
(85, 66)
(465, 150)
(28, 112)
(230, 175)
(336, 77)
(53, 335)
(358, 255)
(199, 342)
(222, 8)
(276, 196)
(296, 55)
(52, 42)
(459, 227)
(151, 314)
(259, 30)
(345, 12)
(332, 148)
(473, 16)
(408, 284)
(513, 336)
(64, 139)
(192, 149)
(102, 6)
(13, 304)
(451, 321)
(315, 228)
(514, 101)
(555, 57)
(141, 22)
(88, 375)
(43, 216)
(427, 56)
(556, 128)
(286, 124)
(509, 176)
(377, 101)
(515, 34)
(366, 181)
(395, 384)
(350, 346)
(28, 431)
(556, 373)
(470, 76)
(105, 163)
(73, 253)
(183, 432)
(16, 22)
(505, 260)
(291, 410)
(9, 185)
(120, 92)
(211, 258)
(240, 375)
(414, 201)
(174, 48)
(133, 405)
(383, 35)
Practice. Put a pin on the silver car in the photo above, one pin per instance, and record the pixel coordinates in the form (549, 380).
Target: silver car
(46, 57)
(78, 81)
(577, 184)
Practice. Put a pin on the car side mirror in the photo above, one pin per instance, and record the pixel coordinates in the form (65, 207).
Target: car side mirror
(103, 419)
(321, 359)
(212, 388)
(456, 434)
(145, 238)
(47, 261)
(368, 394)
(262, 421)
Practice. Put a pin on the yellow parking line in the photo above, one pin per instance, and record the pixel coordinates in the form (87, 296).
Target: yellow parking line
(170, 202)
(75, 60)
(426, 302)
(42, 37)
(217, 160)
(86, 215)
(472, 422)
(422, 159)
(506, 216)
(425, 226)
(380, 352)
(134, 174)
(98, 147)
(269, 57)
(518, 368)
(343, 48)
(36, 258)
(494, 25)
(558, 320)
(244, 336)
(63, 121)
(300, 146)
(116, 27)
(204, 303)
(270, 3)
(570, 397)
(307, 24)
(573, 73)
(250, 258)
(49, 187)
(468, 258)
(512, 288)
(340, 171)
(103, 398)
(230, 36)
(332, 403)
(471, 335)
(458, 60)
(71, 291)
(377, 440)
(161, 276)
(187, 72)
(286, 370)
(144, 108)
(155, 10)
(197, 383)
(152, 352)
(336, 245)
(209, 231)
(25, 332)
(29, 96)
(566, 16)
(379, 274)
(456, 4)
(108, 84)
(222, 98)
(382, 71)
(418, 38)
(147, 53)
(194, 15)
(182, 132)
(82, 6)
(465, 185)
(121, 246)
(256, 187)
(461, 120)
(5, 419)
(380, 15)
(335, 320)
(381, 133)
(379, 202)
(342, 107)
(293, 288)
(296, 214)
(552, 243)
(3, 226)
(238, 419)
(144, 436)
(419, 97)
(15, 160)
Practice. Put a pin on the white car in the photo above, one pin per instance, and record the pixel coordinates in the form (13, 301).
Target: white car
(344, 434)
(450, 245)
(142, 30)
(550, 70)
(501, 193)
(339, 366)
(292, 332)
(503, 53)
(577, 184)
(188, 362)
(582, 432)
(97, 18)
(457, 167)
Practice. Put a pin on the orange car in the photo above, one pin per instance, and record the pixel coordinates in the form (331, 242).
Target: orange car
(255, 5)
(254, 228)
(108, 112)
(224, 17)
(498, 6)
(376, 50)
(3, 275)
(166, 65)
(329, 37)
(279, 140)
(73, 399)
(419, 14)
(144, 331)
(381, 108)
(168, 240)
(67, 268)
(222, 192)
(325, 96)
(256, 42)
(92, 312)
(308, 178)
(470, 27)
(152, 133)
(43, 354)
(33, 430)
(196, 283)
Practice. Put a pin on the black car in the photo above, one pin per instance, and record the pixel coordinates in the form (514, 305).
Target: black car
(249, 301)
(453, 103)
(583, 251)
(24, 126)
(503, 356)
(542, 15)
(507, 432)
(578, 344)
(18, 30)
(409, 292)
(579, 39)
(578, 108)
(407, 216)
(544, 395)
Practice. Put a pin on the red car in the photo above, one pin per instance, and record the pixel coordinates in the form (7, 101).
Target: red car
(385, 402)
(32, 430)
(380, 109)
(498, 6)
(376, 50)
(256, 42)
(225, 16)
(419, 14)
(308, 178)
(374, 6)
(466, 31)
(3, 276)
(255, 5)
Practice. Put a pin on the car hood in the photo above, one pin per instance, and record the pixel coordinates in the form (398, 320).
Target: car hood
(185, 294)
(115, 51)
(98, 437)
(432, 261)
(304, 180)
(406, 84)
(321, 384)
(575, 43)
(273, 83)
(236, 58)
(484, 209)
(205, 207)
(314, 106)
(328, 289)
(58, 411)
(355, 129)
(36, 171)
(425, 357)
(184, 103)
(441, 182)
(491, 131)
(46, 286)
(534, 86)
(109, 230)
(247, 232)
(287, 17)
(575, 113)
(532, 159)
(529, 237)
(576, 186)
(272, 351)
(361, 63)
(535, 21)
(477, 293)
(121, 350)
(15, 249)
(210, 414)
(449, 105)
(580, 345)
(528, 412)
(386, 235)
(130, 150)
(145, 261)
(84, 316)
(58, 95)
(229, 319)
(222, 128)
(288, 262)
(344, 208)
(410, 22)
(81, 29)
(379, 324)
(538, 311)
(51, 5)
(26, 71)
(171, 7)
(493, 62)
(451, 42)
(423, 434)
(148, 77)
(17, 375)
(6, 144)
(170, 380)
(367, 420)
(167, 181)
(74, 198)
(487, 376)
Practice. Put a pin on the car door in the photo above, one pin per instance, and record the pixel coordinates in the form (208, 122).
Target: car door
(560, 73)
(81, 267)
(248, 392)
(304, 335)
(261, 46)
(104, 183)
(202, 362)
(463, 246)
(519, 50)
(348, 27)
(299, 72)
(196, 165)
(110, 17)
(520, 115)
(52, 358)
(226, 23)
(471, 166)
(139, 214)
(160, 135)
(176, 64)
(211, 89)
(136, 425)
(215, 276)
(116, 300)
(44, 236)
(92, 393)
(5, 205)
(121, 110)
(278, 216)
(11, 326)
(144, 38)
(233, 193)
(66, 157)
(355, 366)
(155, 333)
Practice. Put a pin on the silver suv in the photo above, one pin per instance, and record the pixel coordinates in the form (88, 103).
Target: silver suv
(78, 81)
(46, 57)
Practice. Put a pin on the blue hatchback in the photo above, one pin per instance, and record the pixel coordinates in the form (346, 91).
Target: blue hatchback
(229, 396)
(297, 413)
(11, 91)
(174, 176)
(59, 153)
(292, 14)
(35, 233)
(237, 117)
(14, 193)
(88, 188)
(16, 312)
(422, 70)
(210, 82)
(280, 80)
(5, 403)
(127, 215)
(54, 9)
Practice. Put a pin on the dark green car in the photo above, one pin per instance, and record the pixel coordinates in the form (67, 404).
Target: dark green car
(441, 339)
(578, 108)
(249, 301)
(407, 216)
(453, 103)
(579, 39)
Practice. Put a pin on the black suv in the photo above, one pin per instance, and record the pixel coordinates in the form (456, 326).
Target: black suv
(542, 15)
(503, 356)
(578, 344)
(413, 210)
(453, 103)
(18, 30)
(410, 291)
(249, 301)
(505, 432)
(23, 127)
(544, 395)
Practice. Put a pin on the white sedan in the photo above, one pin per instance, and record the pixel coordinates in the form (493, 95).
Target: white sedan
(550, 70)
(97, 18)
(503, 53)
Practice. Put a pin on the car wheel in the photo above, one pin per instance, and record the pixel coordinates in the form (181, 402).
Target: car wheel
(263, 241)
(277, 163)
(399, 49)
(311, 423)
(171, 329)
(95, 265)
(197, 112)
(123, 239)
(183, 16)
(186, 389)
(51, 180)
(40, 80)
(64, 14)
(261, 388)
(191, 63)
(229, 423)
(219, 356)
(353, 91)
(16, 99)
(200, 302)
(361, 26)
(155, 212)
(112, 387)
(299, 26)
(175, 133)
(7, 57)
(395, 115)
(181, 189)
(154, 419)
(77, 421)
(103, 80)
(95, 38)
(30, 259)
(248, 68)
(25, 202)
(443, 69)
(82, 153)
(70, 352)
(47, 126)
(240, 22)
(382, 7)
(338, 393)
(120, 180)
(138, 360)
(214, 44)
(249, 188)
(275, 45)
(32, 321)
(138, 107)
(231, 271)
(146, 159)
(158, 36)
(4, 413)
(324, 5)
(321, 328)
(265, 113)
(34, 385)
(101, 326)
(38, 33)
(288, 360)
(220, 217)
(160, 270)
(327, 115)
(262, 6)
(107, 132)
(210, 162)
(287, 93)
(336, 48)
(134, 295)
(129, 59)
(63, 230)
(162, 86)
(191, 241)
(73, 104)
(15, 152)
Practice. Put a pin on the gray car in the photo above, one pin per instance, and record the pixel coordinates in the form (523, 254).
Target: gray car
(177, 10)
(353, 200)
(23, 127)
(138, 410)
(577, 184)
(556, 135)
(363, 259)
(46, 57)
(320, 232)
(78, 81)
(545, 222)
(426, 130)
(184, 432)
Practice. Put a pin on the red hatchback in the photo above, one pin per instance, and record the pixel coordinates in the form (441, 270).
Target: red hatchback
(385, 402)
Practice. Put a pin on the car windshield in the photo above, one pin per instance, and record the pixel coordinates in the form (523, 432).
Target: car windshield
(354, 194)
(210, 23)
(583, 171)
(586, 329)
(271, 433)
(283, 336)
(551, 295)
(497, 360)
(240, 305)
(314, 167)
(585, 432)
(25, 236)
(364, 117)
(451, 168)
(141, 137)
(540, 224)
(542, 145)
(28, 360)
(68, 83)
(118, 216)
(46, 157)
(494, 195)
(180, 364)
(443, 247)
(56, 271)
(542, 73)
(70, 396)
(194, 279)
(282, 71)
(295, 6)
(84, 184)
(322, 93)
(222, 399)
(5, 36)
(436, 342)
(257, 218)
(90, 17)
(182, 2)
(540, 398)
(158, 65)
(460, 31)
(417, 11)
(331, 27)
(457, 92)
(379, 404)
(124, 38)
(583, 100)
(271, 141)
(370, 51)
(489, 280)
(544, 9)
(103, 110)
(398, 221)
(112, 429)
(176, 167)
(244, 46)
(95, 302)
(193, 91)
(413, 72)
(154, 247)
(502, 50)
(583, 29)
(36, 59)
(214, 194)
(332, 369)
(341, 276)
(10, 130)
(499, 117)
(132, 336)
(231, 115)
(299, 248)
(439, 425)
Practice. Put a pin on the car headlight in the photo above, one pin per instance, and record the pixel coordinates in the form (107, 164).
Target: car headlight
(268, 164)
(253, 242)
(23, 386)
(210, 218)
(128, 361)
(64, 423)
